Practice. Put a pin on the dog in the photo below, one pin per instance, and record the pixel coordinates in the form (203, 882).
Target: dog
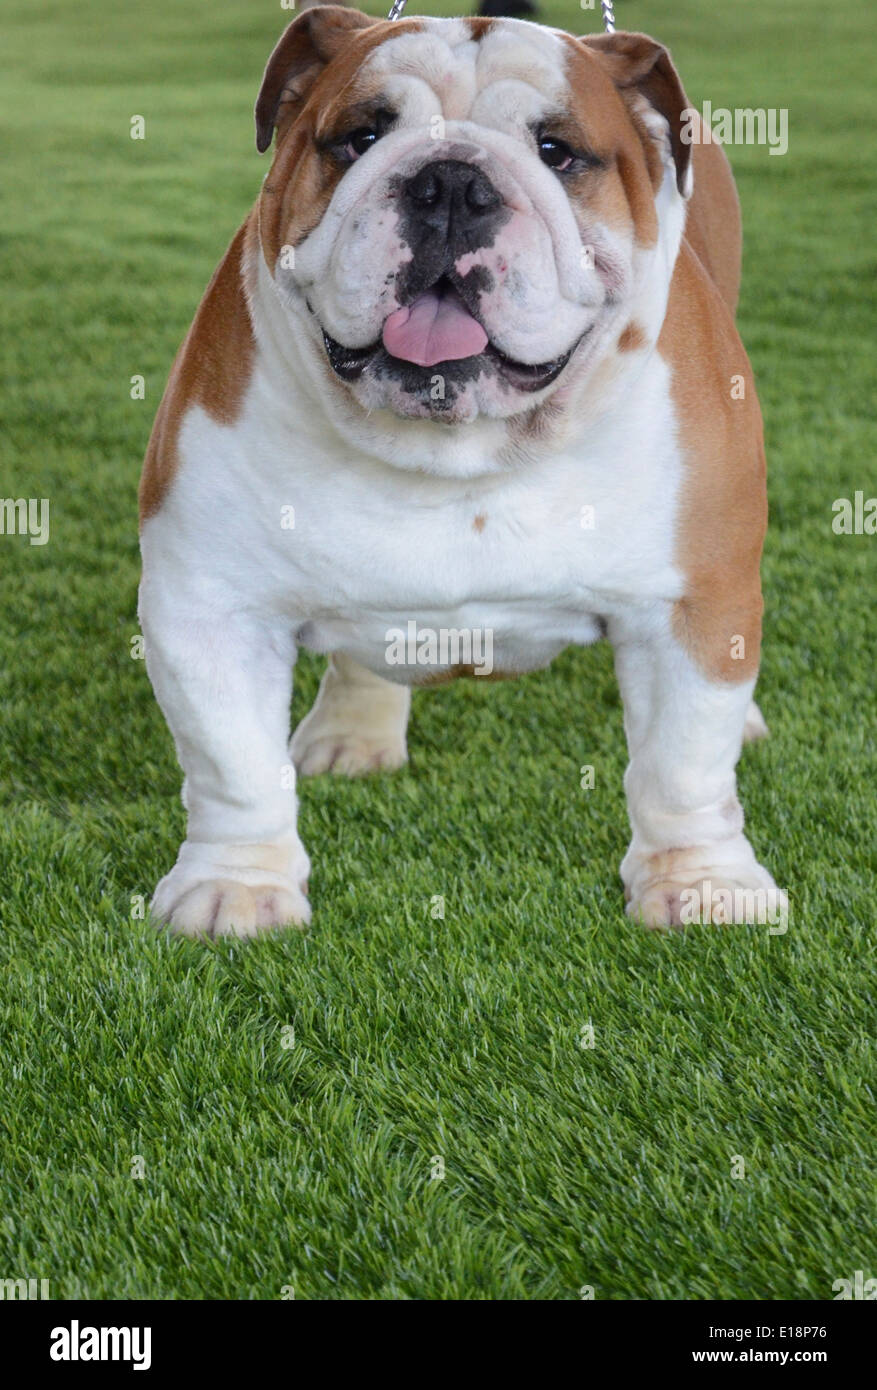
(469, 366)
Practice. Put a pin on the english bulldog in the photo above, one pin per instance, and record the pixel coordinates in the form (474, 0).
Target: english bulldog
(468, 367)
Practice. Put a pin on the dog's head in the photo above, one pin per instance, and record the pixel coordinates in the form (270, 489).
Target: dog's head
(460, 212)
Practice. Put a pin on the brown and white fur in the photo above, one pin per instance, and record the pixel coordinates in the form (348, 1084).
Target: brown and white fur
(461, 510)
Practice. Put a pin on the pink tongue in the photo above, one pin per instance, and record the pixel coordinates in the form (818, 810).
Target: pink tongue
(435, 328)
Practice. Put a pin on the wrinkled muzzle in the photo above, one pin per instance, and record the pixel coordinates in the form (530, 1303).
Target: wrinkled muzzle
(451, 278)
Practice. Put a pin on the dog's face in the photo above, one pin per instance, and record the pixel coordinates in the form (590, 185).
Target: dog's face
(459, 211)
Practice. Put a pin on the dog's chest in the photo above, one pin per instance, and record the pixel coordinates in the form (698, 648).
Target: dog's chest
(388, 565)
(499, 578)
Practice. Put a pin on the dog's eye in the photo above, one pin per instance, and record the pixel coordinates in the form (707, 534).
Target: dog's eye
(360, 141)
(555, 154)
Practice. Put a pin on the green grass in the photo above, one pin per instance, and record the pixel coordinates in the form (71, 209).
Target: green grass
(309, 1165)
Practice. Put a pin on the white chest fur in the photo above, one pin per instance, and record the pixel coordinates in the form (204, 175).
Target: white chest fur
(347, 550)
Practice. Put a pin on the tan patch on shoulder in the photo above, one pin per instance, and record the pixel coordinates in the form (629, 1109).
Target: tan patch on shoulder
(212, 369)
(479, 522)
(723, 507)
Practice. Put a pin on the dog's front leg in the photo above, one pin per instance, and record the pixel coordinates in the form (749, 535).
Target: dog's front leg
(689, 859)
(224, 682)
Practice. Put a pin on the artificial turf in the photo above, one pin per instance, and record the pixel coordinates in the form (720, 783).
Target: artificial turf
(290, 1099)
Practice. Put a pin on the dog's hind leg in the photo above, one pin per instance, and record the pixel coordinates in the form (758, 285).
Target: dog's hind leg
(357, 725)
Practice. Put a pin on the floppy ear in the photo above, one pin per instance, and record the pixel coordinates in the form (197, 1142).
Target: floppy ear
(304, 48)
(637, 63)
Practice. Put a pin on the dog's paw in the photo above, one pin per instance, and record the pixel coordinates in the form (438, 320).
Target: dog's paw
(221, 907)
(237, 890)
(322, 743)
(679, 887)
(357, 724)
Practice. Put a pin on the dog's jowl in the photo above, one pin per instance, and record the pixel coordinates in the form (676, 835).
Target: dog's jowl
(469, 368)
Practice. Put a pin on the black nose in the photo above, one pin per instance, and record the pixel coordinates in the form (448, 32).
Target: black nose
(450, 197)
